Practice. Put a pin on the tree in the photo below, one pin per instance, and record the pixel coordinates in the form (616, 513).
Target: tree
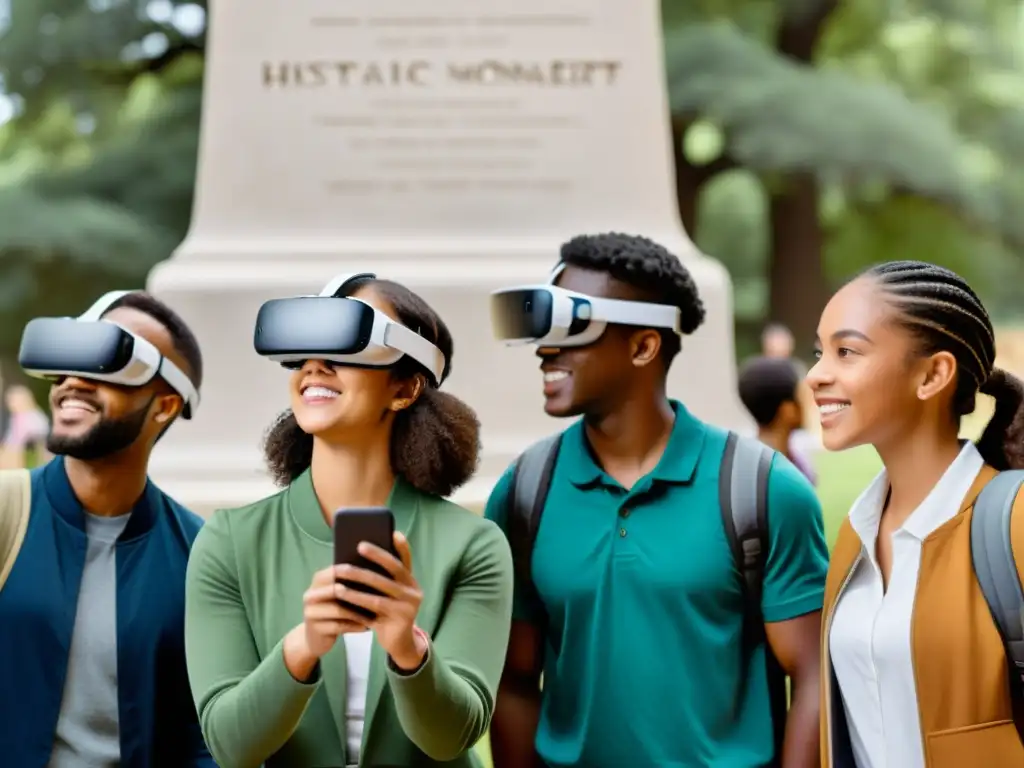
(812, 137)
(85, 53)
(97, 168)
(803, 94)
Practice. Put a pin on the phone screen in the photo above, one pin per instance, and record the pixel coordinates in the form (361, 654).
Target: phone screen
(354, 525)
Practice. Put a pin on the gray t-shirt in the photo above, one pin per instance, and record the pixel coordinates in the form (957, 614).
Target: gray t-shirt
(87, 729)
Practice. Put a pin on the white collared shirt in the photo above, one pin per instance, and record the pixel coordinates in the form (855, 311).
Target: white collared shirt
(870, 632)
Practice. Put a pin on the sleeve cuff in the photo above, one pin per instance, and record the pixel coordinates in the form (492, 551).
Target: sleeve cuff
(277, 677)
(418, 683)
(792, 609)
(426, 657)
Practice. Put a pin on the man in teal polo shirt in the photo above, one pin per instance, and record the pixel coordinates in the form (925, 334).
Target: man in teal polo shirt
(634, 613)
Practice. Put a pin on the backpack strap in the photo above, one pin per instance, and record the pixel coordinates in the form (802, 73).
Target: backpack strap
(531, 481)
(998, 577)
(15, 505)
(743, 495)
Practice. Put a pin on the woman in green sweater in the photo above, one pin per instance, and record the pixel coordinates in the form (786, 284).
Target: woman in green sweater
(282, 674)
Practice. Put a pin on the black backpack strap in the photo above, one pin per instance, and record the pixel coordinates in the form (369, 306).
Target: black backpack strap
(531, 481)
(996, 571)
(743, 492)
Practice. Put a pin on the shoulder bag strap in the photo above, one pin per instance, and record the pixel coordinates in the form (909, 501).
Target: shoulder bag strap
(531, 481)
(743, 492)
(15, 503)
(996, 571)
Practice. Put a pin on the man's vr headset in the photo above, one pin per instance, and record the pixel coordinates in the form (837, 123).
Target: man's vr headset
(89, 347)
(549, 316)
(339, 329)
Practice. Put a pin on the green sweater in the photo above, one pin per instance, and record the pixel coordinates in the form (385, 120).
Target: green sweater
(246, 576)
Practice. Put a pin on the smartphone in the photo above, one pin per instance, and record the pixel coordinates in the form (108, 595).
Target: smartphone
(353, 525)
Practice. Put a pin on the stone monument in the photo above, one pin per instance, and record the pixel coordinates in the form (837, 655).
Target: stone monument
(446, 146)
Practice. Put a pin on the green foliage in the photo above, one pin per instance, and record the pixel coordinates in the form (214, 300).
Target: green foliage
(148, 168)
(59, 254)
(97, 169)
(94, 233)
(733, 227)
(907, 227)
(79, 52)
(911, 116)
(784, 118)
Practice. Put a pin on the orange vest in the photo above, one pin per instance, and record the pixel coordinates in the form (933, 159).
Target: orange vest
(960, 667)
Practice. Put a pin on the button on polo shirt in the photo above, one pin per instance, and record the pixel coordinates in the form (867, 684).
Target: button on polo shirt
(644, 609)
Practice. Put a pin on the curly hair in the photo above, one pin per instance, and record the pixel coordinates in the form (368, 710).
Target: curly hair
(435, 442)
(648, 267)
(945, 314)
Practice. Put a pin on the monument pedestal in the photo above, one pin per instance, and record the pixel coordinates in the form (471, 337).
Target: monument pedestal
(451, 152)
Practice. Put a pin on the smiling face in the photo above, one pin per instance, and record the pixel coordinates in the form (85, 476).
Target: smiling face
(93, 420)
(341, 402)
(871, 383)
(594, 379)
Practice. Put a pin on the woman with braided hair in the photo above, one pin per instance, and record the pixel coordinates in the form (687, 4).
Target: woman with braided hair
(915, 673)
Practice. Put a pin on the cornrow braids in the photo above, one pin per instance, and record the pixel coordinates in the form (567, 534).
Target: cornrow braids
(946, 315)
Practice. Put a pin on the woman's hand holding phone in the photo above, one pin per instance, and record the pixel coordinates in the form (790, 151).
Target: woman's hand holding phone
(397, 605)
(324, 619)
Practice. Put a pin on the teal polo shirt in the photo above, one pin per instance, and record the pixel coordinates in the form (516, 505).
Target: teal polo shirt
(643, 664)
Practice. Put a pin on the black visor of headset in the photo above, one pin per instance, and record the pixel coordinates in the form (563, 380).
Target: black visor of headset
(91, 348)
(549, 316)
(339, 329)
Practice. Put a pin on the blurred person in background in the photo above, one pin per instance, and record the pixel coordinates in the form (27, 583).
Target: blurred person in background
(92, 656)
(777, 341)
(915, 673)
(3, 412)
(27, 428)
(769, 388)
(285, 675)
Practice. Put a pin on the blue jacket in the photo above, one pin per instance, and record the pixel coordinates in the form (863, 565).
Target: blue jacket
(158, 723)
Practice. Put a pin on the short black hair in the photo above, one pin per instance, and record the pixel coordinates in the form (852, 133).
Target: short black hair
(435, 443)
(184, 340)
(647, 266)
(941, 310)
(765, 383)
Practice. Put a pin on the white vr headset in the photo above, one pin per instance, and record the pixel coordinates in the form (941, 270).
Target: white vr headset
(549, 316)
(337, 328)
(91, 348)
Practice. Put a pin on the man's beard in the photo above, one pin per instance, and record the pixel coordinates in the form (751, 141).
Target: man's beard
(107, 437)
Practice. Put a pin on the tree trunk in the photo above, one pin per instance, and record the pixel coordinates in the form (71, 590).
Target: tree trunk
(795, 272)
